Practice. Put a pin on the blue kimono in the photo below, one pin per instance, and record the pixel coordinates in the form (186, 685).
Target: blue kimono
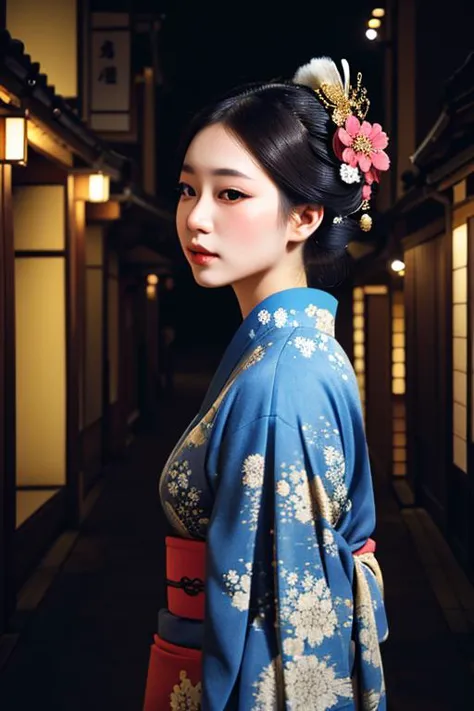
(274, 475)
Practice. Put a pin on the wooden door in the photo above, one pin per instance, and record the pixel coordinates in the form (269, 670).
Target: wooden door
(378, 381)
(426, 376)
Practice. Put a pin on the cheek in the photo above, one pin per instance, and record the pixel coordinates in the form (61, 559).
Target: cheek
(252, 225)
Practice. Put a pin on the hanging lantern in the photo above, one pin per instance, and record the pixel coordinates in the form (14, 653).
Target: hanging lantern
(91, 186)
(99, 187)
(13, 135)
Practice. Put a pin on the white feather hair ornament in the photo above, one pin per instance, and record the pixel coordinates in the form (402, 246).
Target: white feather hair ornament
(322, 70)
(334, 91)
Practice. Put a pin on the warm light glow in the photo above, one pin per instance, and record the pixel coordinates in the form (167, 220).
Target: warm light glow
(399, 439)
(399, 455)
(398, 370)
(398, 355)
(371, 34)
(99, 187)
(399, 469)
(151, 291)
(376, 290)
(359, 365)
(374, 23)
(13, 135)
(358, 340)
(398, 343)
(152, 279)
(397, 265)
(398, 325)
(398, 386)
(399, 424)
(15, 139)
(378, 12)
(460, 246)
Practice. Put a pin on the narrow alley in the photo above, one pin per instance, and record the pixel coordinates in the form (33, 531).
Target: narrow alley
(86, 645)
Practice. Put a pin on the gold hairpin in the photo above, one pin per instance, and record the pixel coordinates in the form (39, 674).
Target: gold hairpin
(342, 105)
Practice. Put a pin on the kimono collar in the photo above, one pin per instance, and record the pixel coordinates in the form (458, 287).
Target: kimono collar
(310, 308)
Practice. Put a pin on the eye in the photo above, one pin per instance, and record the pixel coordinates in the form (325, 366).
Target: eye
(232, 195)
(185, 190)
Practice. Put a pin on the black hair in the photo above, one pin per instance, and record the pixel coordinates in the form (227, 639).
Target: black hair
(290, 133)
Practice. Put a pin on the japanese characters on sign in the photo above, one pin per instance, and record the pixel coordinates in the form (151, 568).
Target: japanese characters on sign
(110, 77)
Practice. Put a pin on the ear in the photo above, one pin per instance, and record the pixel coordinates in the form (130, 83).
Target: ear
(304, 220)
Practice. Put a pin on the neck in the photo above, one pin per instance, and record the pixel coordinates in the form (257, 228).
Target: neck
(252, 291)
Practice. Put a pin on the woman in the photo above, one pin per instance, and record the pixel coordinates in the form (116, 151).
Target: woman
(274, 595)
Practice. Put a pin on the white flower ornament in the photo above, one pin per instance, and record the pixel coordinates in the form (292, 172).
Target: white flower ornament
(349, 174)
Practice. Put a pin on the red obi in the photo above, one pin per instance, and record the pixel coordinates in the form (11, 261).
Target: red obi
(174, 672)
(185, 576)
(368, 547)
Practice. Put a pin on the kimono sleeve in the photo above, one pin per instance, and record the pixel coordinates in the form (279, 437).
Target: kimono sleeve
(235, 530)
(279, 533)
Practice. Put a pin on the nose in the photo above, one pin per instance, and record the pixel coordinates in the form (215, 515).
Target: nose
(199, 218)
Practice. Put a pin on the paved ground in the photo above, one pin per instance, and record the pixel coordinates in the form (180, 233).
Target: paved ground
(86, 646)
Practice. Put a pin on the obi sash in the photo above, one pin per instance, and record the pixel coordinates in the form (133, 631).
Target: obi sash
(186, 575)
(174, 671)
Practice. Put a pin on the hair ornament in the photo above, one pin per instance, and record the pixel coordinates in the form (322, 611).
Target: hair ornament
(358, 144)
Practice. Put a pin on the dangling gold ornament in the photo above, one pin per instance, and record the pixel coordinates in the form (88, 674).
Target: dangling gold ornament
(365, 223)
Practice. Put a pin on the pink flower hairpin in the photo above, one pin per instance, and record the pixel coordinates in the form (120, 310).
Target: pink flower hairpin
(361, 147)
(358, 144)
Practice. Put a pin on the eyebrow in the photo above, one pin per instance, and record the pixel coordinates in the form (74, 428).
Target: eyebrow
(227, 172)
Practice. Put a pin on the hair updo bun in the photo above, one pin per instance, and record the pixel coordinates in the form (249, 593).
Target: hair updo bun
(288, 130)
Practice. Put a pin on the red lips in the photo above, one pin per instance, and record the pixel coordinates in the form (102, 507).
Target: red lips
(198, 249)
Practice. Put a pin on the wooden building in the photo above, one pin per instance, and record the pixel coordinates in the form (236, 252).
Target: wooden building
(413, 348)
(83, 245)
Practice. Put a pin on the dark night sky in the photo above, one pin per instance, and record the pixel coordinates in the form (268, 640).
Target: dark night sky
(226, 44)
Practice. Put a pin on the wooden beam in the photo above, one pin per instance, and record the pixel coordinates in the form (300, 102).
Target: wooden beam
(7, 399)
(429, 231)
(463, 212)
(103, 211)
(75, 295)
(39, 171)
(46, 143)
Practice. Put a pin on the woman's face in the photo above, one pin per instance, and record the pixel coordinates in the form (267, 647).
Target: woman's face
(229, 219)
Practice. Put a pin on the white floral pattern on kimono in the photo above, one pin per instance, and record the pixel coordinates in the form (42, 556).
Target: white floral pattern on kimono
(274, 474)
(185, 696)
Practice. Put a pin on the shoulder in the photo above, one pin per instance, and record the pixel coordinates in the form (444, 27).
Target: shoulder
(314, 358)
(304, 350)
(291, 373)
(314, 373)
